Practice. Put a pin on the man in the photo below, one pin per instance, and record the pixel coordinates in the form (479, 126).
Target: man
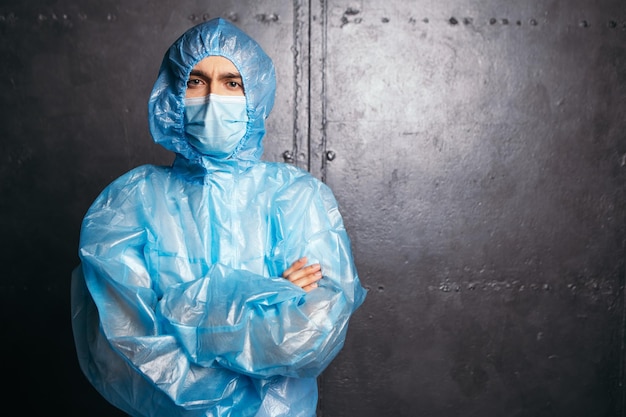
(222, 285)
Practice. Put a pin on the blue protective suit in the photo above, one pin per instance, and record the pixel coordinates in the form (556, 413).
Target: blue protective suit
(178, 305)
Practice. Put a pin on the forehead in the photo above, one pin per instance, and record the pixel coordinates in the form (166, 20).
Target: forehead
(216, 65)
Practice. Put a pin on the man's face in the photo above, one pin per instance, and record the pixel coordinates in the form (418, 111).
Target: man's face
(214, 75)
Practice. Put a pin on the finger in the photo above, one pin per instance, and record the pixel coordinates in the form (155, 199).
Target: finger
(308, 279)
(303, 273)
(295, 266)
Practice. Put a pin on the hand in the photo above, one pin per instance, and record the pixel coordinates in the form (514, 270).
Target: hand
(305, 277)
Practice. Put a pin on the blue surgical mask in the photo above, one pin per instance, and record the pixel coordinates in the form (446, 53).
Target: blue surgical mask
(215, 124)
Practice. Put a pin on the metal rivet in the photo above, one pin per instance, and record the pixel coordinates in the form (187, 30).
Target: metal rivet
(288, 156)
(330, 155)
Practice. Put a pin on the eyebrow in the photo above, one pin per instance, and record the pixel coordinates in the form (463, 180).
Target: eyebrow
(223, 76)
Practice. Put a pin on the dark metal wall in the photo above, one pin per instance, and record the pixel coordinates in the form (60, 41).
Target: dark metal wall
(480, 161)
(477, 150)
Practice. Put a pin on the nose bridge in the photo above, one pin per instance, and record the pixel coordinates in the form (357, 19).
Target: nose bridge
(213, 85)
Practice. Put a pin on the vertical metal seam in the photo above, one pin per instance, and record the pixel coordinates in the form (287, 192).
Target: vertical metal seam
(308, 78)
(297, 68)
(324, 18)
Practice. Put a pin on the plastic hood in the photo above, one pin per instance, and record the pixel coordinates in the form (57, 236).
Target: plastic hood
(166, 104)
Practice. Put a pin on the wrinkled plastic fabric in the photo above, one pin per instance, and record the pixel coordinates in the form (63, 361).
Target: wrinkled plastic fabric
(178, 305)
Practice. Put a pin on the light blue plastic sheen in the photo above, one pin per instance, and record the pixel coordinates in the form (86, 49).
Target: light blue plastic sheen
(178, 305)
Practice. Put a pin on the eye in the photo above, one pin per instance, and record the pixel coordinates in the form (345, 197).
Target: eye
(234, 86)
(194, 83)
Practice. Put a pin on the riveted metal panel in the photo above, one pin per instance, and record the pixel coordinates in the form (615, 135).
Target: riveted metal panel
(476, 149)
(75, 78)
(478, 154)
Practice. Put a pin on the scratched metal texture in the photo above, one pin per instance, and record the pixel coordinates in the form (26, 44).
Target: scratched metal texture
(477, 150)
(479, 155)
(75, 77)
